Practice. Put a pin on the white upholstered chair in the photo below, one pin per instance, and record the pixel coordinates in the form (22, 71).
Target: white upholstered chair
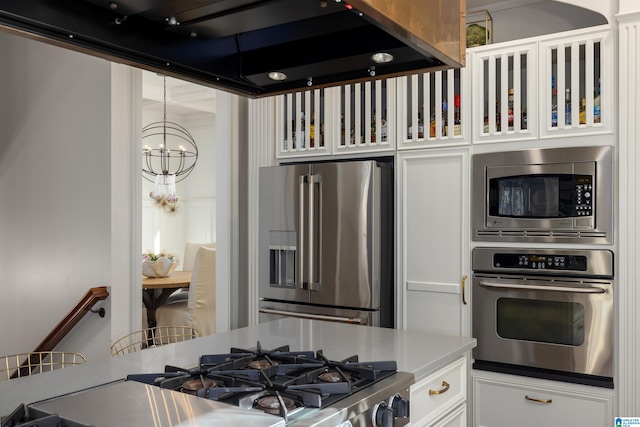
(190, 249)
(199, 309)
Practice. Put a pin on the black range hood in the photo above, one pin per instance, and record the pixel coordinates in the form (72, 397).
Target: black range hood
(233, 45)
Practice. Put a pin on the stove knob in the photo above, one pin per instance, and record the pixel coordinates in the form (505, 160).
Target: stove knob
(400, 406)
(382, 415)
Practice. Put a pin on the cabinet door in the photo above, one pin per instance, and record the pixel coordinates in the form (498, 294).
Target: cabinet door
(498, 404)
(364, 117)
(433, 109)
(456, 418)
(300, 123)
(504, 91)
(576, 83)
(433, 243)
(437, 394)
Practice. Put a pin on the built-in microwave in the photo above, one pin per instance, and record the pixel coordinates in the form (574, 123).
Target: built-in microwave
(561, 195)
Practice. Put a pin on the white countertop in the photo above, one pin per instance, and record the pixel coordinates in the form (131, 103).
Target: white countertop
(418, 352)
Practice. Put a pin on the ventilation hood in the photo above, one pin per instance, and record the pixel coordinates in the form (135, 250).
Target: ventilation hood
(233, 45)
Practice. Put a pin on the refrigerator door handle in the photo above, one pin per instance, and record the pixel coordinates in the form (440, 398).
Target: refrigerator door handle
(315, 231)
(357, 320)
(310, 223)
(300, 257)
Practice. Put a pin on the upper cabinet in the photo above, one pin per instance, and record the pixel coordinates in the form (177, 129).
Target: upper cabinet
(301, 119)
(365, 117)
(539, 88)
(576, 80)
(546, 87)
(433, 109)
(353, 118)
(504, 91)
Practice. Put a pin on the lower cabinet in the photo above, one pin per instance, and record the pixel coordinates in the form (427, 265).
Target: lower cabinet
(501, 402)
(441, 398)
(456, 418)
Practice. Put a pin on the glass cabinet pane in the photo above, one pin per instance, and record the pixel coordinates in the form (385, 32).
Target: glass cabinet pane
(575, 84)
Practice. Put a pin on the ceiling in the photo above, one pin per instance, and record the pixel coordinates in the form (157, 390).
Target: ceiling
(183, 98)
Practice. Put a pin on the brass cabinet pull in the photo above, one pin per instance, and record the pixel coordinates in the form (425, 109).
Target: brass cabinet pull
(445, 388)
(464, 297)
(533, 399)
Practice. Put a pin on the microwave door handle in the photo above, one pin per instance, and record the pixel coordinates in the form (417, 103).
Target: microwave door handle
(521, 286)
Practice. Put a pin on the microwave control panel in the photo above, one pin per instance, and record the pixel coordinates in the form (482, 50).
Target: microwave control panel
(541, 262)
(584, 195)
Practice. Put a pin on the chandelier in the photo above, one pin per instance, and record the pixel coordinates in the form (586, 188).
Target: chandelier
(169, 155)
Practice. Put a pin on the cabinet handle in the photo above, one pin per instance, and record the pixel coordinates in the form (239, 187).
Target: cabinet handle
(533, 399)
(464, 297)
(445, 388)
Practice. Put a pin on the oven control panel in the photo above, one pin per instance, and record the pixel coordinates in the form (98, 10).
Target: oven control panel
(540, 262)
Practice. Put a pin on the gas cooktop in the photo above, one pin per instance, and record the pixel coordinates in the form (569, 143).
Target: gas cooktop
(255, 387)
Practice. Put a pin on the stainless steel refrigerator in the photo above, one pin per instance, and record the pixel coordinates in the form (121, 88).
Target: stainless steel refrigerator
(326, 242)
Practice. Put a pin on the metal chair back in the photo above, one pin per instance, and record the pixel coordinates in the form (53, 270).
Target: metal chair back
(25, 364)
(152, 337)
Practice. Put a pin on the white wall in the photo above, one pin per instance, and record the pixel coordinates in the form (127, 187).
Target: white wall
(545, 17)
(55, 213)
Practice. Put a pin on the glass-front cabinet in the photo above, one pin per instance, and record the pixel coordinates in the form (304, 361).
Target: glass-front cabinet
(366, 116)
(505, 88)
(353, 118)
(575, 77)
(552, 86)
(544, 87)
(433, 109)
(300, 123)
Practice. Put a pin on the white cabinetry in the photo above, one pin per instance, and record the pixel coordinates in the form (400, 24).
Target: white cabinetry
(440, 399)
(504, 88)
(545, 87)
(455, 418)
(433, 109)
(575, 77)
(300, 123)
(433, 249)
(350, 119)
(507, 401)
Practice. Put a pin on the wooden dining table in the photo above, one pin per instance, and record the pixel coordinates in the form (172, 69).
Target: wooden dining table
(156, 291)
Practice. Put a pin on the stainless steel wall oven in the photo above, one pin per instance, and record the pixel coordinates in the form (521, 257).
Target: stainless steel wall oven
(545, 313)
(560, 195)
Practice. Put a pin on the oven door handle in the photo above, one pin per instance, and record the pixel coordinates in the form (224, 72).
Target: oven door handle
(341, 319)
(576, 289)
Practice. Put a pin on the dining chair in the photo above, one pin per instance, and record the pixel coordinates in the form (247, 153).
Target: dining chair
(198, 310)
(25, 364)
(152, 337)
(190, 249)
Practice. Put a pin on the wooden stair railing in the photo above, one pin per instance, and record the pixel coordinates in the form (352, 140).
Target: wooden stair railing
(84, 305)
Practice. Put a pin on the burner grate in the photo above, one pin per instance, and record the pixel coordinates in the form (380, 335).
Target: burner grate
(242, 377)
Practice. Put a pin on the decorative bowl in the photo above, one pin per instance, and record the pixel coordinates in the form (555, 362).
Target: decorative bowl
(160, 268)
